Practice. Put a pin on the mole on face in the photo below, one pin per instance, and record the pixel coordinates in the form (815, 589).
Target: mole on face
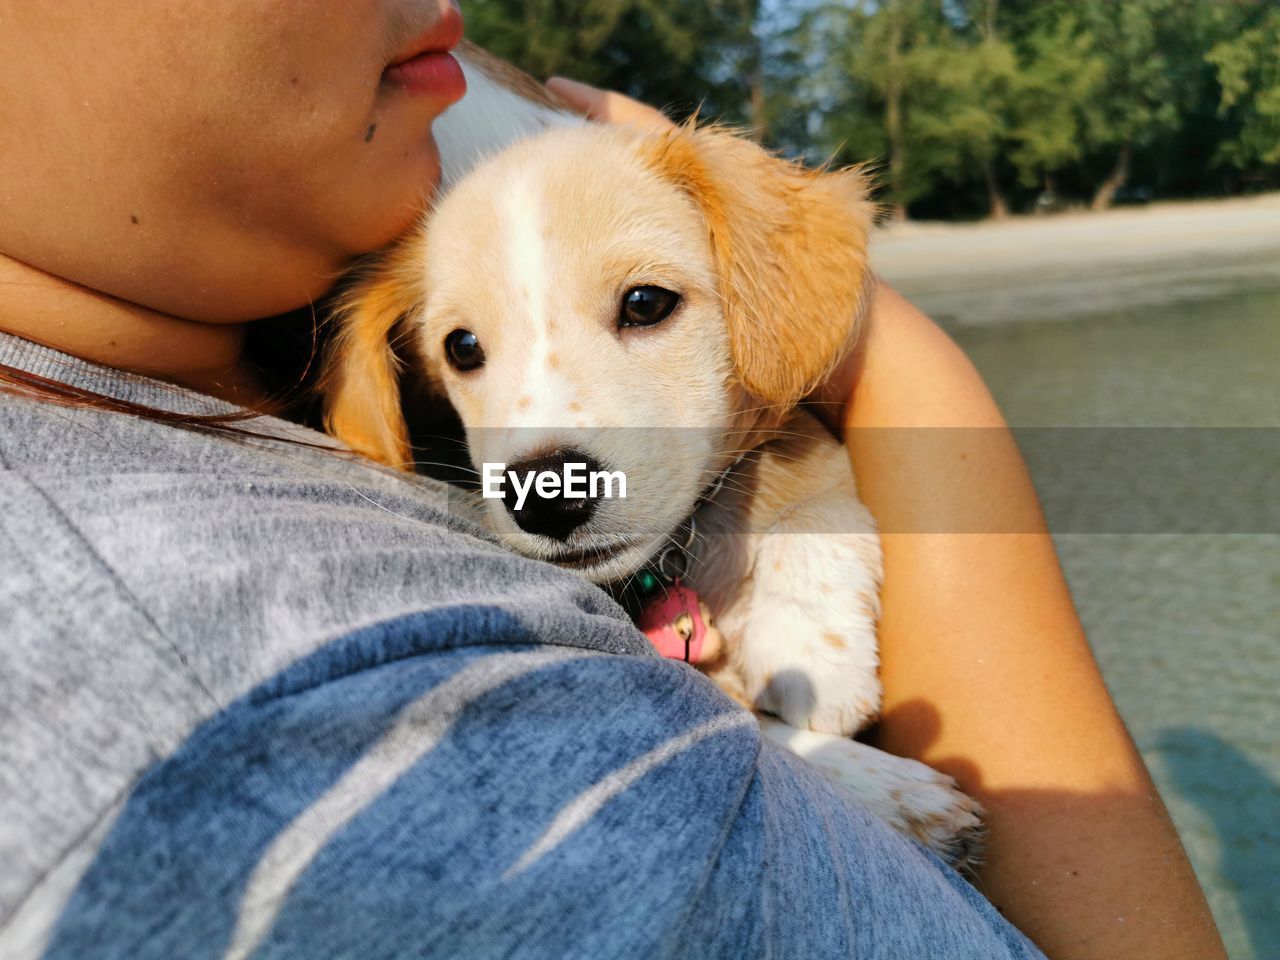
(369, 133)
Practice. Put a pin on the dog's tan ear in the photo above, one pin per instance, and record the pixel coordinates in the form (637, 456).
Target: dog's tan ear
(790, 247)
(361, 383)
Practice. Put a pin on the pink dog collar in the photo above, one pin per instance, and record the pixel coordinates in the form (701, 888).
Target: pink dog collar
(678, 623)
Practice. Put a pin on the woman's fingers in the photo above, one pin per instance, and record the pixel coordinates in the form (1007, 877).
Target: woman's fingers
(607, 106)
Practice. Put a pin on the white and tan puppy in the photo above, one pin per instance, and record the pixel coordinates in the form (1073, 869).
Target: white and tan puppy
(656, 306)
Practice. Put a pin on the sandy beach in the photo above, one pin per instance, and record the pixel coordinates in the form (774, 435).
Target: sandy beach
(1072, 264)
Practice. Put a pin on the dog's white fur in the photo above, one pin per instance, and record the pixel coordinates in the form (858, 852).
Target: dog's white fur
(543, 222)
(494, 116)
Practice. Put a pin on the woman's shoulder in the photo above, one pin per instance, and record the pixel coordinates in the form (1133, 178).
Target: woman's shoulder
(152, 575)
(102, 439)
(240, 552)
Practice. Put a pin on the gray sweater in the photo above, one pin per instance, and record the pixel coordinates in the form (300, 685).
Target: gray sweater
(259, 699)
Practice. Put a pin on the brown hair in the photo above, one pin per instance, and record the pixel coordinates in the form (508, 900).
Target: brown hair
(33, 386)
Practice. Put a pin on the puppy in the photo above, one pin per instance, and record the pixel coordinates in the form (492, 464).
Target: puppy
(655, 307)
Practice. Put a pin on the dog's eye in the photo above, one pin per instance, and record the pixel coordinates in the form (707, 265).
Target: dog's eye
(645, 306)
(463, 349)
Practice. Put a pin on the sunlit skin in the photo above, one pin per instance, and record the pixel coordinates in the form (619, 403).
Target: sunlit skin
(171, 170)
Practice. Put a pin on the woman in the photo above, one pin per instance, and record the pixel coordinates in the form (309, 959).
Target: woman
(260, 699)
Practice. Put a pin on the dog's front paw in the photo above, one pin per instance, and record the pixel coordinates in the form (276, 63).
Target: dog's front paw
(913, 798)
(931, 809)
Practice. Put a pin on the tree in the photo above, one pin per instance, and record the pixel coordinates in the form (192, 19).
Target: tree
(1140, 96)
(678, 56)
(817, 108)
(955, 100)
(1059, 78)
(958, 119)
(999, 72)
(900, 82)
(1248, 70)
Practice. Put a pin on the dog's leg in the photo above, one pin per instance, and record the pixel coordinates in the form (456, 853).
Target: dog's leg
(791, 569)
(913, 798)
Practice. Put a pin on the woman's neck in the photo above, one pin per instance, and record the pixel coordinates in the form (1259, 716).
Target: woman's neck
(95, 326)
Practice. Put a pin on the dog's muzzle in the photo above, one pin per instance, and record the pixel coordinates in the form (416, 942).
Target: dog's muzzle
(555, 516)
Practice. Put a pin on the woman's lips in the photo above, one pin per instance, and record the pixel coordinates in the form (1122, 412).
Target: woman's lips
(427, 68)
(434, 73)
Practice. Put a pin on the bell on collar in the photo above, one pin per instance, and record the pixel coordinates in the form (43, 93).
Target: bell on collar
(679, 624)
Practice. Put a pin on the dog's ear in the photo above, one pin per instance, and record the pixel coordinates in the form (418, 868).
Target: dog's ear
(361, 384)
(790, 248)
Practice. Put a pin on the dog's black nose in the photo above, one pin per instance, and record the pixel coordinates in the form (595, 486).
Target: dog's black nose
(554, 514)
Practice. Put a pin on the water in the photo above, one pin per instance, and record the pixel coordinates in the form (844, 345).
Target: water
(1186, 627)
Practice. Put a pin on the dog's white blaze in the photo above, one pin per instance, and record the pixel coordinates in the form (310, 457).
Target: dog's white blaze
(526, 255)
(527, 268)
(544, 393)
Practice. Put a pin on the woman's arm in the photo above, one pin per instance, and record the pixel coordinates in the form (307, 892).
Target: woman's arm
(987, 673)
(986, 670)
